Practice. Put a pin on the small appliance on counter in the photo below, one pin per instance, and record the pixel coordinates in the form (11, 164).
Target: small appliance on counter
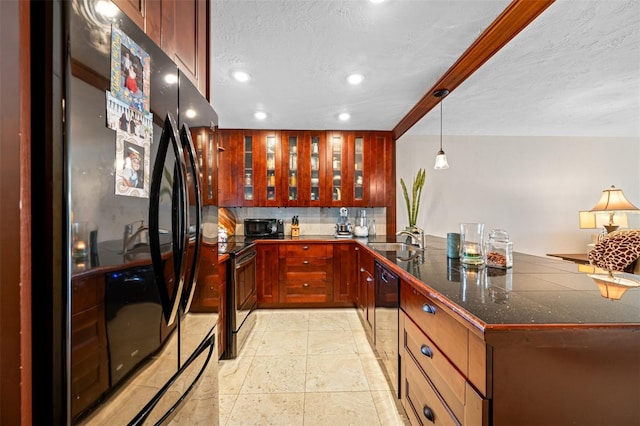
(264, 228)
(295, 226)
(361, 229)
(343, 227)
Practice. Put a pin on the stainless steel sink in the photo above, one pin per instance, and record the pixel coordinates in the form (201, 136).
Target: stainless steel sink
(381, 246)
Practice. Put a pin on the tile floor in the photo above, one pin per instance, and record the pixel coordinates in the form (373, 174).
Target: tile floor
(307, 367)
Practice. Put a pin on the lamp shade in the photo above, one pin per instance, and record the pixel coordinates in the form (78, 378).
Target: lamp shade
(587, 220)
(613, 199)
(441, 161)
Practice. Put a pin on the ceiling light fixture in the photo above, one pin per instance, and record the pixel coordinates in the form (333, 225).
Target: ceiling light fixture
(355, 78)
(344, 116)
(241, 76)
(260, 115)
(441, 158)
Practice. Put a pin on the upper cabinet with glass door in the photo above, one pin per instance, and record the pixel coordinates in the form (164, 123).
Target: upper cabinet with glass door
(272, 172)
(248, 193)
(336, 184)
(360, 174)
(316, 161)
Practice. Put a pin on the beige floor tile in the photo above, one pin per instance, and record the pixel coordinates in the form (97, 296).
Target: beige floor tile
(232, 373)
(226, 406)
(284, 409)
(329, 319)
(275, 374)
(334, 373)
(340, 408)
(292, 342)
(288, 319)
(373, 371)
(331, 342)
(389, 409)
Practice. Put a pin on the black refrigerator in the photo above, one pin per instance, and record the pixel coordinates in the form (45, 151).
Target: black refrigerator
(131, 351)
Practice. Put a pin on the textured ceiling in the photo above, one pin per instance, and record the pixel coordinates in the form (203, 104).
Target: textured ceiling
(575, 71)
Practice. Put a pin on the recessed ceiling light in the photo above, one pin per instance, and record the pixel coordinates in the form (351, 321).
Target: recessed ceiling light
(355, 78)
(241, 76)
(344, 116)
(260, 115)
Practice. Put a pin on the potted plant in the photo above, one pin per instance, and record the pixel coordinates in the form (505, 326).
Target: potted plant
(413, 205)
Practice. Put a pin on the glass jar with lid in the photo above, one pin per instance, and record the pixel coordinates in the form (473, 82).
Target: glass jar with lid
(499, 250)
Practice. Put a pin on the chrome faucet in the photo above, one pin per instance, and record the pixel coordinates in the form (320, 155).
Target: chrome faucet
(131, 236)
(415, 238)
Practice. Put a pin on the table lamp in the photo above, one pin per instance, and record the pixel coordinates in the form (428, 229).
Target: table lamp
(611, 202)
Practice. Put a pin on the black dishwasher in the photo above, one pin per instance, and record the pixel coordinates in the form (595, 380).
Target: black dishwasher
(387, 305)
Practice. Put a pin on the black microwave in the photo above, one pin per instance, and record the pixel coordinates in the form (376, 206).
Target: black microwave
(264, 228)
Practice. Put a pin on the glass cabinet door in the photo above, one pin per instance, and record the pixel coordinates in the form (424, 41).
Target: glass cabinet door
(292, 180)
(358, 170)
(335, 167)
(248, 168)
(314, 181)
(271, 168)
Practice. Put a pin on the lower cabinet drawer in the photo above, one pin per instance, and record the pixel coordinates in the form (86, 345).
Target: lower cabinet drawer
(422, 404)
(437, 321)
(445, 377)
(306, 291)
(302, 268)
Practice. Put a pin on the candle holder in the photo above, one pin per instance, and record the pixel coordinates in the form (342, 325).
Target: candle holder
(471, 243)
(79, 240)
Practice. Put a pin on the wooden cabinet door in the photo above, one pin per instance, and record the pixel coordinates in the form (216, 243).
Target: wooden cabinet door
(367, 290)
(316, 164)
(345, 267)
(230, 171)
(267, 273)
(294, 171)
(184, 37)
(381, 184)
(270, 161)
(204, 140)
(222, 308)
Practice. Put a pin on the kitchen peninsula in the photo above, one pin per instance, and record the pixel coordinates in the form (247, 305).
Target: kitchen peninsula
(535, 344)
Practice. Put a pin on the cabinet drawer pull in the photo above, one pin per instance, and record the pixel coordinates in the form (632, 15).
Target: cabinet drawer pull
(369, 279)
(426, 351)
(305, 285)
(428, 413)
(305, 247)
(357, 249)
(305, 262)
(430, 309)
(361, 269)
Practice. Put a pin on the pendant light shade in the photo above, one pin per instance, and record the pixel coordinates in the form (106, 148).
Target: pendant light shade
(441, 158)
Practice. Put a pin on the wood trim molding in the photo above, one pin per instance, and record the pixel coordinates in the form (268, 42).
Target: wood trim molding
(516, 17)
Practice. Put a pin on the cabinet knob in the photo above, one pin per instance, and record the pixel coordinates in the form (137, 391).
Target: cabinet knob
(305, 247)
(305, 262)
(369, 279)
(430, 309)
(305, 285)
(361, 269)
(426, 351)
(428, 413)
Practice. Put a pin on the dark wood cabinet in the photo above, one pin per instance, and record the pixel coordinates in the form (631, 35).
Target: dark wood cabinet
(206, 146)
(89, 359)
(305, 272)
(181, 29)
(261, 168)
(267, 274)
(366, 290)
(345, 267)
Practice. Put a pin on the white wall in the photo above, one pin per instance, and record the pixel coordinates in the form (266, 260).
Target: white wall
(531, 186)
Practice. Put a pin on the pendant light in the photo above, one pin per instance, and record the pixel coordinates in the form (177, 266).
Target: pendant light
(441, 158)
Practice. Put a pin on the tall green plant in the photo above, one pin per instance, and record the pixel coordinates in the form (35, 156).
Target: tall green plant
(413, 205)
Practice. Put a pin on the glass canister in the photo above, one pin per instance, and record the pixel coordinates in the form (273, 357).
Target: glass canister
(499, 250)
(472, 243)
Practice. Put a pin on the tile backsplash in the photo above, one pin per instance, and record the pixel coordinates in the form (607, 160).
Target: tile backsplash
(313, 220)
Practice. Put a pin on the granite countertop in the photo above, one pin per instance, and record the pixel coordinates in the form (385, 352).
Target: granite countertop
(536, 291)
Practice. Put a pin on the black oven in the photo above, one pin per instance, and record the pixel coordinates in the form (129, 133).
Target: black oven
(242, 298)
(263, 228)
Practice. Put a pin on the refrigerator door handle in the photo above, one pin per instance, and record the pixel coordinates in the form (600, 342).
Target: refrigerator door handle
(170, 302)
(190, 281)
